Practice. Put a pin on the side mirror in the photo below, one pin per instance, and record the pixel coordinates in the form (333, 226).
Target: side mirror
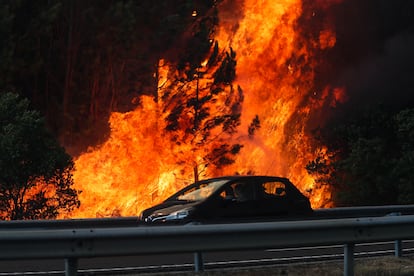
(229, 198)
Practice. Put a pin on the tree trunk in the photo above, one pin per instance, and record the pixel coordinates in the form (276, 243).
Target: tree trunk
(70, 54)
(195, 173)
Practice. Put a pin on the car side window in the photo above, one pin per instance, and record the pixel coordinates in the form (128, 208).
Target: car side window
(244, 191)
(274, 189)
(227, 193)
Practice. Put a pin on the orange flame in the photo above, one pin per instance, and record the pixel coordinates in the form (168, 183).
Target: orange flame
(139, 165)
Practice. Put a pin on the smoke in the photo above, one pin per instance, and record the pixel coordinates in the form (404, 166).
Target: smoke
(374, 55)
(386, 77)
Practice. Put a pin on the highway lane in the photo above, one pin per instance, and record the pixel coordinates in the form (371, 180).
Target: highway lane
(212, 260)
(186, 261)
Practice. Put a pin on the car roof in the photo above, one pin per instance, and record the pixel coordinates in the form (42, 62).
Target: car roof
(243, 177)
(232, 178)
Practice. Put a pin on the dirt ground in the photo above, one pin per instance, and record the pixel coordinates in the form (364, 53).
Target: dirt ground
(384, 266)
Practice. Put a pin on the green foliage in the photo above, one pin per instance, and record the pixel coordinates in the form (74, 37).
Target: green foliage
(35, 171)
(25, 30)
(403, 166)
(371, 158)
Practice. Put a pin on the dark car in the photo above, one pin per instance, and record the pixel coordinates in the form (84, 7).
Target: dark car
(231, 198)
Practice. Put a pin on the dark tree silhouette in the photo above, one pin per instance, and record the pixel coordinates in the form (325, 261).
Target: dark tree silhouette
(35, 171)
(205, 109)
(370, 158)
(78, 61)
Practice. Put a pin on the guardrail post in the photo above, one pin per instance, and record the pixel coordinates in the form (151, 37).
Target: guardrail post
(397, 243)
(71, 267)
(198, 262)
(349, 259)
(398, 248)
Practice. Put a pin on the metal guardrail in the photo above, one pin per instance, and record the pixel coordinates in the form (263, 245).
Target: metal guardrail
(364, 211)
(72, 244)
(70, 223)
(340, 212)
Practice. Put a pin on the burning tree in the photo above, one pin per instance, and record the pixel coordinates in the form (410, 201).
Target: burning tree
(202, 107)
(35, 171)
(206, 111)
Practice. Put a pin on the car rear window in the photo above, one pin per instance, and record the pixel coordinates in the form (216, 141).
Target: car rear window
(274, 189)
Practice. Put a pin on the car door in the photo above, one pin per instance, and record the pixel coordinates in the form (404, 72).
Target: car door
(238, 200)
(273, 198)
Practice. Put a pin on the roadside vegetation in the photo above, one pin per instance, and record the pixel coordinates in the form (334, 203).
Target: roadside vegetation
(369, 157)
(35, 171)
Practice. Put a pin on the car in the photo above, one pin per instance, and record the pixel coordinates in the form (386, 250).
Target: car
(229, 199)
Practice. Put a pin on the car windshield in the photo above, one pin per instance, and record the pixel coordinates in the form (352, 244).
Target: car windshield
(201, 191)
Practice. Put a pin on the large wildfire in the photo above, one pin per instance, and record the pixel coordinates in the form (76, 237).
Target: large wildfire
(268, 107)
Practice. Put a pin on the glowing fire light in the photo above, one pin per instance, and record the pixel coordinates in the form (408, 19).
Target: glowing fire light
(138, 165)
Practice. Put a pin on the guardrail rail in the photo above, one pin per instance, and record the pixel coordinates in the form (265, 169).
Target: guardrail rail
(72, 244)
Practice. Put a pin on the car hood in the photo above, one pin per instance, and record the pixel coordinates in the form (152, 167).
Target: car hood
(161, 211)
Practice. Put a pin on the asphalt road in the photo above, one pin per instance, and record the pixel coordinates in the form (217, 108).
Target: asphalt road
(185, 262)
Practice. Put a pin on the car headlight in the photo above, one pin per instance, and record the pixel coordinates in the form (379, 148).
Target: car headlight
(180, 214)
